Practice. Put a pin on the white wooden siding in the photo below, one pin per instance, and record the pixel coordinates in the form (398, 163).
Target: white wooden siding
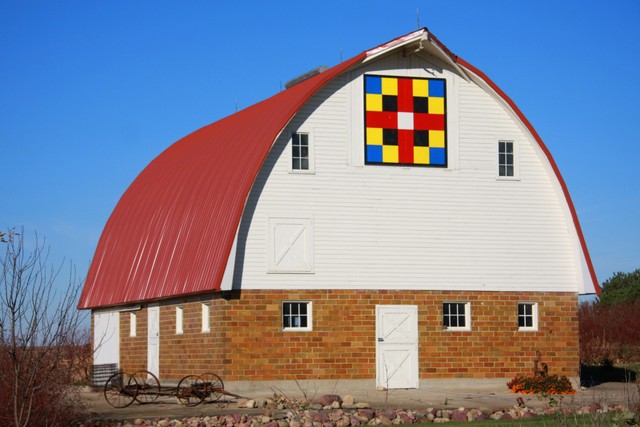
(385, 227)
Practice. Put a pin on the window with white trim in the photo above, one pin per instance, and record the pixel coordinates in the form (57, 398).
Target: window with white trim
(296, 316)
(132, 324)
(206, 324)
(301, 152)
(527, 316)
(456, 316)
(506, 159)
(179, 320)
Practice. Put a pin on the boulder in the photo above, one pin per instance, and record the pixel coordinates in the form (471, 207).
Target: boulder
(328, 399)
(459, 416)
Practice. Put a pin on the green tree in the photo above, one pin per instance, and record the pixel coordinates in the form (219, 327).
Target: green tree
(621, 288)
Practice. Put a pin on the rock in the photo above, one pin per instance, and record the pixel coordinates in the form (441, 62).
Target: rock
(336, 415)
(354, 421)
(361, 405)
(294, 423)
(431, 416)
(336, 405)
(261, 403)
(496, 415)
(405, 419)
(271, 424)
(441, 420)
(458, 415)
(320, 417)
(265, 419)
(384, 420)
(389, 413)
(315, 406)
(348, 400)
(343, 422)
(506, 416)
(246, 403)
(280, 416)
(283, 423)
(481, 416)
(366, 413)
(328, 399)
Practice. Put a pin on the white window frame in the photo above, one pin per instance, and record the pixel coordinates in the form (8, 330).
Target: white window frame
(311, 169)
(516, 160)
(206, 317)
(309, 316)
(467, 316)
(533, 315)
(133, 317)
(179, 320)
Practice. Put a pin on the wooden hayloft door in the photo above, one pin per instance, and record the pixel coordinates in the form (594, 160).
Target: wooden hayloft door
(396, 346)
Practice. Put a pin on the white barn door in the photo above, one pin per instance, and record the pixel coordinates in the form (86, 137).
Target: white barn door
(397, 346)
(153, 339)
(106, 337)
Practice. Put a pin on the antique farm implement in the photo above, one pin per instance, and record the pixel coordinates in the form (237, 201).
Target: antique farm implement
(122, 389)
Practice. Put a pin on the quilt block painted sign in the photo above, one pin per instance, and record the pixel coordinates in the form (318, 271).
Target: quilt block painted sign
(405, 121)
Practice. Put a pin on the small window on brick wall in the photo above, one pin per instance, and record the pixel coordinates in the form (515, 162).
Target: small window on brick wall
(132, 324)
(527, 316)
(456, 316)
(179, 320)
(296, 316)
(205, 317)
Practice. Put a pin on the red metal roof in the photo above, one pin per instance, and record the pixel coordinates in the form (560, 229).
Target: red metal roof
(172, 231)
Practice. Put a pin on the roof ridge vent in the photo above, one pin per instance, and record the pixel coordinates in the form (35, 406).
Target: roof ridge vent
(302, 77)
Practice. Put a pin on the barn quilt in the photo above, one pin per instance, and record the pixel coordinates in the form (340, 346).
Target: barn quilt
(405, 121)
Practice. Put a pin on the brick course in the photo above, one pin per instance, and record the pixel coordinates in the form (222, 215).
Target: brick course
(246, 340)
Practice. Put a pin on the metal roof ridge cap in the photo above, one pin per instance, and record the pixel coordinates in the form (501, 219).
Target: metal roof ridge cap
(395, 43)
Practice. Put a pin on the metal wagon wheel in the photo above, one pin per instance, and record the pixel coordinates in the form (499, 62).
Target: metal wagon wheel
(118, 392)
(190, 391)
(213, 386)
(148, 386)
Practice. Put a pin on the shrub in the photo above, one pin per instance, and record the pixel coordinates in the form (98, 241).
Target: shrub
(540, 384)
(609, 334)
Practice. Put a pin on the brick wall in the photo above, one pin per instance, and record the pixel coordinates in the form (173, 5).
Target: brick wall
(246, 340)
(133, 350)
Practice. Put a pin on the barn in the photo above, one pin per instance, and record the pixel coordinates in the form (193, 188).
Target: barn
(395, 217)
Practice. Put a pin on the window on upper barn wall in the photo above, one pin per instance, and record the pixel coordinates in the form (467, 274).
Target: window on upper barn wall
(506, 159)
(179, 320)
(132, 324)
(205, 317)
(296, 315)
(301, 153)
(456, 316)
(528, 316)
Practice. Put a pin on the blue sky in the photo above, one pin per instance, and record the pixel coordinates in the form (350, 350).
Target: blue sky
(91, 92)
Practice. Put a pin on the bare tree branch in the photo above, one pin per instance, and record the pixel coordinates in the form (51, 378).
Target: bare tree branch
(37, 324)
